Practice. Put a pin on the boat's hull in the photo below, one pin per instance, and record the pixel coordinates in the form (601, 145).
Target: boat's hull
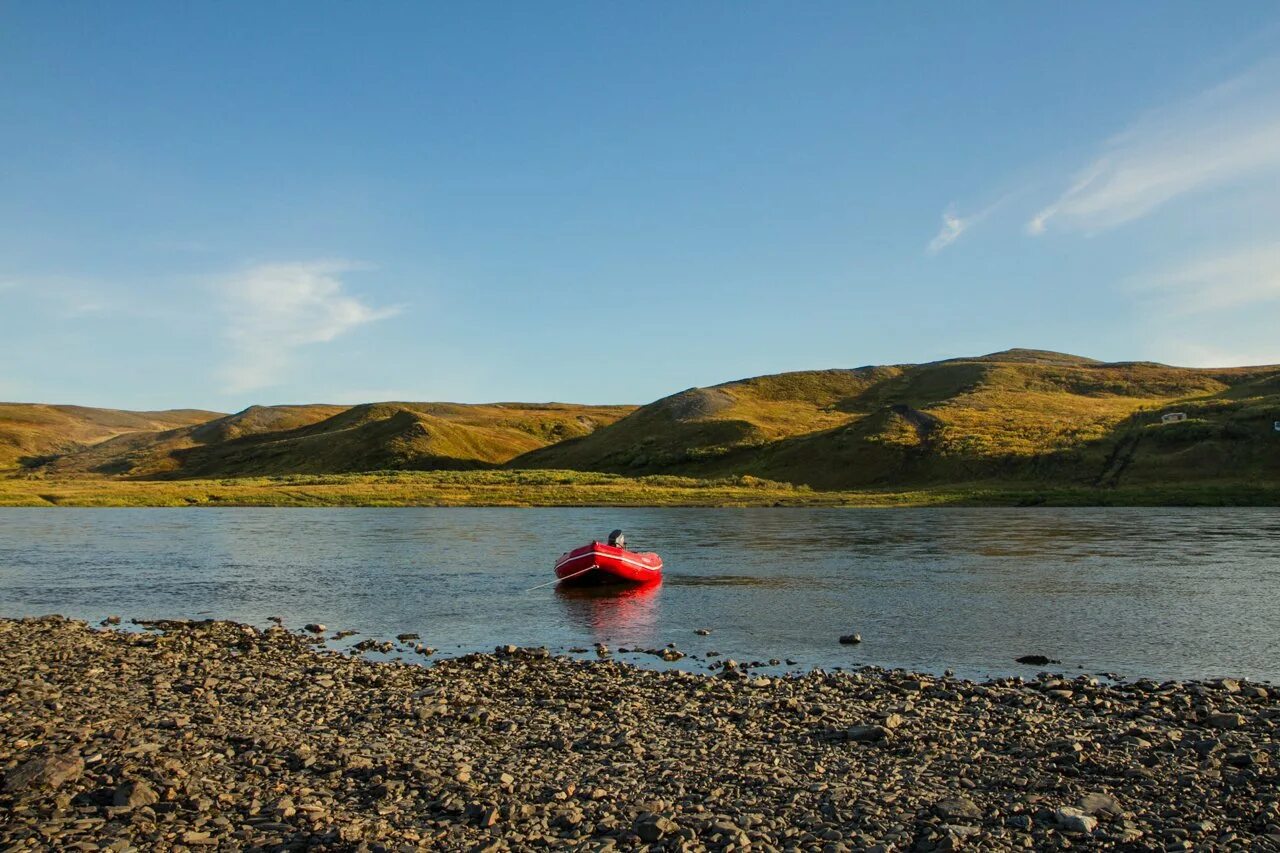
(599, 563)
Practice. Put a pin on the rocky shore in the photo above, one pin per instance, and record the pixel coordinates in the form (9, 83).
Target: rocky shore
(215, 735)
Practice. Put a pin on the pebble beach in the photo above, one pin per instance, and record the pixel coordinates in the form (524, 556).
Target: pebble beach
(222, 736)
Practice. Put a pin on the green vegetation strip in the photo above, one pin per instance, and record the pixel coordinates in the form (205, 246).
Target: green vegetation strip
(574, 488)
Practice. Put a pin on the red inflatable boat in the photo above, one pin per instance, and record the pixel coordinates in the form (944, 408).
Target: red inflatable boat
(600, 563)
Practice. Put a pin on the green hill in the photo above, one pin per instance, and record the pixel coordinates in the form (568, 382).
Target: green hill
(267, 440)
(1020, 419)
(33, 432)
(1022, 415)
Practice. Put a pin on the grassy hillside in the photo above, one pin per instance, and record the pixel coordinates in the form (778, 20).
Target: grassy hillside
(701, 425)
(273, 440)
(32, 432)
(1023, 424)
(1024, 416)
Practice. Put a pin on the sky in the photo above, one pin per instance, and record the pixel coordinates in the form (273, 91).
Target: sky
(221, 204)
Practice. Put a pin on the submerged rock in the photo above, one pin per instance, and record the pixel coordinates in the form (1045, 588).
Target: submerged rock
(1036, 660)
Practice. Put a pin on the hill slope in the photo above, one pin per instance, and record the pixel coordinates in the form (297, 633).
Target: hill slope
(1029, 415)
(1020, 418)
(30, 432)
(317, 439)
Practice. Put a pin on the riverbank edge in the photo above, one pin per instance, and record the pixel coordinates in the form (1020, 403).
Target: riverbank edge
(256, 739)
(576, 489)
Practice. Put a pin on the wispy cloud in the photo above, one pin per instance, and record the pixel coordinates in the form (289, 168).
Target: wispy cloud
(1222, 136)
(1236, 279)
(953, 225)
(1214, 311)
(276, 308)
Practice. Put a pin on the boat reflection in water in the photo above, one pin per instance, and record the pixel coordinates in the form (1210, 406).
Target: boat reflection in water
(620, 613)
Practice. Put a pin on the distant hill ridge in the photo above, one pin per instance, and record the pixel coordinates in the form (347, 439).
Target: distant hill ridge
(268, 440)
(32, 432)
(1029, 415)
(1024, 415)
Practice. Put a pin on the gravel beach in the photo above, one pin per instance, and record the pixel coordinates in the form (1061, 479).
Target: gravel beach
(214, 735)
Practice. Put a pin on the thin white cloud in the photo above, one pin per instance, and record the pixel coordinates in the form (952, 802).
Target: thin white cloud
(276, 308)
(1215, 311)
(1244, 277)
(1223, 136)
(953, 225)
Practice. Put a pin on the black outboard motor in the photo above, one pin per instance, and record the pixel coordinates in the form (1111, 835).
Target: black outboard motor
(617, 540)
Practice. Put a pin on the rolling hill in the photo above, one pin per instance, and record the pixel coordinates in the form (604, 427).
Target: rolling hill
(317, 439)
(31, 433)
(1021, 418)
(1023, 415)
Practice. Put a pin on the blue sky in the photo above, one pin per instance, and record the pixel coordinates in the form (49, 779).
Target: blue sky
(219, 204)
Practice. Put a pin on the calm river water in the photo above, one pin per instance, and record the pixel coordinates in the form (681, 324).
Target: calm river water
(1178, 593)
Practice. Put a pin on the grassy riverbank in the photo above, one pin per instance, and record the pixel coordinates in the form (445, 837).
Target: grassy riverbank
(222, 735)
(574, 488)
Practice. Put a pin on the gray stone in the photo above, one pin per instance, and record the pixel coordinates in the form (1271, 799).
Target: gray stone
(1074, 820)
(866, 734)
(957, 808)
(1096, 803)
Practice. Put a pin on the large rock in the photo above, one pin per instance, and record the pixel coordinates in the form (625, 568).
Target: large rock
(1036, 660)
(1075, 820)
(1095, 803)
(133, 794)
(867, 734)
(652, 827)
(957, 808)
(1224, 721)
(50, 771)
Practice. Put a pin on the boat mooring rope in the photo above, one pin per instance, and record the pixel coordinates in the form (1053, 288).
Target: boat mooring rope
(557, 580)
